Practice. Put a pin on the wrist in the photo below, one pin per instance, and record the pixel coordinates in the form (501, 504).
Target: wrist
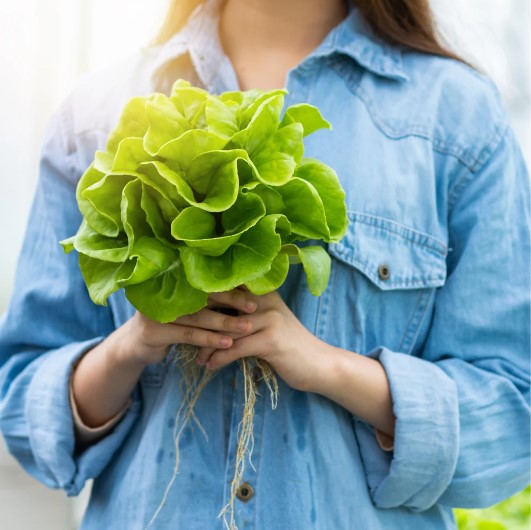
(328, 371)
(121, 354)
(357, 383)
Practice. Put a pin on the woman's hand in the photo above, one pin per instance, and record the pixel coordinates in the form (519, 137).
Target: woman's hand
(278, 337)
(356, 382)
(148, 341)
(106, 375)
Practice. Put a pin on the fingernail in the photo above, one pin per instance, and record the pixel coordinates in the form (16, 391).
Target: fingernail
(244, 325)
(225, 342)
(199, 362)
(250, 305)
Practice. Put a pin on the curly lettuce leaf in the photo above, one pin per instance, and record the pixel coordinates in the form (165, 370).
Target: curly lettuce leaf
(167, 296)
(197, 193)
(326, 182)
(248, 258)
(307, 115)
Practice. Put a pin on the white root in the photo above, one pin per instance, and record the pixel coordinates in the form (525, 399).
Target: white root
(193, 381)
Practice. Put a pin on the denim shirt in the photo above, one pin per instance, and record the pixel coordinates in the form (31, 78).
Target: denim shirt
(432, 279)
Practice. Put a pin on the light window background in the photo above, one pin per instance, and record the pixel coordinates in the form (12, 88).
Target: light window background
(45, 48)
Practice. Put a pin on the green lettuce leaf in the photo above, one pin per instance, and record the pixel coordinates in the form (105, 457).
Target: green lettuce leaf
(159, 214)
(179, 153)
(191, 103)
(148, 258)
(165, 124)
(103, 224)
(91, 243)
(277, 157)
(325, 181)
(129, 156)
(213, 176)
(304, 208)
(262, 125)
(167, 296)
(199, 228)
(100, 277)
(316, 262)
(307, 115)
(133, 122)
(248, 258)
(199, 193)
(272, 279)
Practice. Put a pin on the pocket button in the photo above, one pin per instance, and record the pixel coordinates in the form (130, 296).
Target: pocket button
(245, 492)
(384, 272)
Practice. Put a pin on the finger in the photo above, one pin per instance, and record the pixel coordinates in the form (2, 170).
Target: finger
(236, 298)
(214, 320)
(204, 355)
(176, 333)
(245, 347)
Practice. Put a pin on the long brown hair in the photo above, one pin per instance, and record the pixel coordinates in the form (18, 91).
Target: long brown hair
(408, 23)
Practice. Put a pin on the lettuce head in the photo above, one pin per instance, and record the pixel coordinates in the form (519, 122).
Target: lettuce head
(199, 193)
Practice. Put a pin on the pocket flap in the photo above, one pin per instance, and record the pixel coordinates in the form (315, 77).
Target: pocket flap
(391, 255)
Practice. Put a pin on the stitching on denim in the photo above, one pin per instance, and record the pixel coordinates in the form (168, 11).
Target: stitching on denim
(411, 323)
(403, 231)
(68, 145)
(367, 266)
(460, 182)
(317, 323)
(491, 146)
(324, 304)
(421, 319)
(438, 144)
(417, 131)
(263, 411)
(489, 150)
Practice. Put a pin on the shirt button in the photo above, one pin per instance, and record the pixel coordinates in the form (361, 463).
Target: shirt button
(257, 376)
(245, 492)
(384, 272)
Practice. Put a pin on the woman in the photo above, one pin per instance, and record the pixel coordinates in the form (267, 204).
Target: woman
(405, 387)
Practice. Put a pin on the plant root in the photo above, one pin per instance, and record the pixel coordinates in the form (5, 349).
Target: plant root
(192, 382)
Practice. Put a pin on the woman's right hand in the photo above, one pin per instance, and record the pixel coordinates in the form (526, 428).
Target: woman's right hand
(147, 341)
(106, 375)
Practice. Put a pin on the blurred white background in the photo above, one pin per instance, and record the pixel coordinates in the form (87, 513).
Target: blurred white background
(45, 46)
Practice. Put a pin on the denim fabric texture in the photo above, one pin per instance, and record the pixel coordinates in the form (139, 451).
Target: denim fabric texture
(432, 279)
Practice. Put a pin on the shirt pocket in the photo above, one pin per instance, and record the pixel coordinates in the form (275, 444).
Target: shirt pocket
(382, 285)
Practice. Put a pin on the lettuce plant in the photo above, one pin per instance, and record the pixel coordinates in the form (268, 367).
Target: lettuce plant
(199, 193)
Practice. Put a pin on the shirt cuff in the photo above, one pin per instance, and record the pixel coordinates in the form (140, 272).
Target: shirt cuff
(426, 438)
(48, 416)
(86, 435)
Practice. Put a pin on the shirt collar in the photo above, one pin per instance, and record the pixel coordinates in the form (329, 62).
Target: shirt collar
(200, 39)
(352, 37)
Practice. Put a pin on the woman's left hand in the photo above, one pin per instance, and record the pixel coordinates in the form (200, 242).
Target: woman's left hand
(278, 337)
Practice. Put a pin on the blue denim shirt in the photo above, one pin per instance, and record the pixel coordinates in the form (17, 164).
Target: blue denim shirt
(437, 191)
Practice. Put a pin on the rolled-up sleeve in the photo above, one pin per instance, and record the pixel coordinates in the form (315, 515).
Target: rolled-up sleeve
(49, 324)
(462, 406)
